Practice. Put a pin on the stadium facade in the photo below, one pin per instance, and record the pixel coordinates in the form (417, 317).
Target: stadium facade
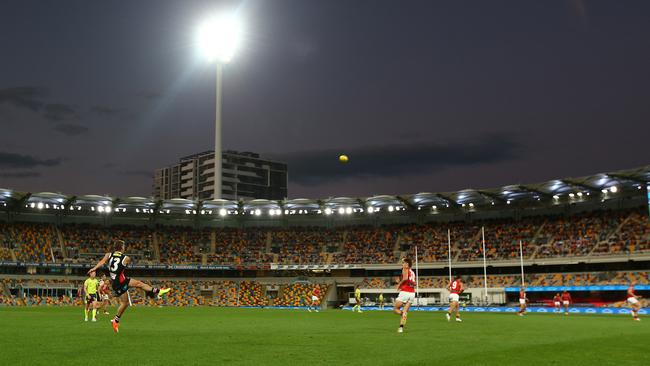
(245, 175)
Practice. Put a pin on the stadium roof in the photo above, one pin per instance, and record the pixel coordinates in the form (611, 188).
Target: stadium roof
(601, 186)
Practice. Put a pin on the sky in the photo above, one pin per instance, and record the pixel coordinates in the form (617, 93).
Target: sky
(423, 96)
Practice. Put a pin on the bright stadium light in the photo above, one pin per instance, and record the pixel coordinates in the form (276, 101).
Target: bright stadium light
(257, 212)
(371, 210)
(604, 191)
(613, 189)
(223, 212)
(571, 195)
(556, 197)
(391, 208)
(579, 194)
(341, 210)
(471, 204)
(218, 39)
(348, 210)
(108, 209)
(328, 211)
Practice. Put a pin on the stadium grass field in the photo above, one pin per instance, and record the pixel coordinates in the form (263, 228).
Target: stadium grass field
(214, 336)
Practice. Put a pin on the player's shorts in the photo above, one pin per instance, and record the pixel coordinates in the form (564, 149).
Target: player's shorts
(557, 303)
(522, 301)
(405, 297)
(120, 288)
(632, 300)
(91, 298)
(453, 297)
(314, 298)
(566, 303)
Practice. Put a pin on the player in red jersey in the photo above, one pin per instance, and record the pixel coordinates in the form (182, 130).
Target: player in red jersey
(315, 299)
(104, 293)
(455, 289)
(406, 288)
(633, 301)
(566, 301)
(557, 302)
(522, 301)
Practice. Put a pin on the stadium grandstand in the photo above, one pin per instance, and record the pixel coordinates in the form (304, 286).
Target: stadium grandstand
(590, 235)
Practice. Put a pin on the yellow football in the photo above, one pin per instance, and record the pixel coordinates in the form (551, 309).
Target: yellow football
(343, 158)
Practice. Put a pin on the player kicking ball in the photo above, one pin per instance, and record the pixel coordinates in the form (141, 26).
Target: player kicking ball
(455, 288)
(117, 263)
(633, 301)
(406, 288)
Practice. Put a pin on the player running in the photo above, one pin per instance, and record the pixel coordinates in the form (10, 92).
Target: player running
(104, 293)
(380, 300)
(633, 301)
(315, 299)
(557, 302)
(91, 285)
(522, 301)
(406, 288)
(117, 263)
(455, 288)
(357, 298)
(566, 301)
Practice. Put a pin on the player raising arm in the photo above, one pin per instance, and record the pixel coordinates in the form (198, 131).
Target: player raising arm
(406, 288)
(117, 263)
(633, 300)
(455, 289)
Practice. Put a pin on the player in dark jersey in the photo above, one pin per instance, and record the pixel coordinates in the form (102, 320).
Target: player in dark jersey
(117, 263)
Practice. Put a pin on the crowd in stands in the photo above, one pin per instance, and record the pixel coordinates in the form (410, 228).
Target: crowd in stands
(594, 233)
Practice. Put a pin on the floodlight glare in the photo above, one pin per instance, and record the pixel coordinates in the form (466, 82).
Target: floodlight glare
(328, 211)
(613, 189)
(371, 210)
(390, 208)
(348, 210)
(258, 212)
(222, 212)
(341, 210)
(219, 37)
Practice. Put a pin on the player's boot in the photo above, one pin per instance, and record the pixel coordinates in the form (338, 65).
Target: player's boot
(459, 320)
(400, 330)
(448, 317)
(163, 291)
(116, 326)
(94, 319)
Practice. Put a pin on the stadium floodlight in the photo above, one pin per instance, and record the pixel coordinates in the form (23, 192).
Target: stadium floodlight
(434, 207)
(371, 210)
(223, 212)
(348, 210)
(271, 212)
(257, 212)
(39, 205)
(579, 194)
(328, 211)
(471, 204)
(391, 208)
(218, 39)
(341, 210)
(508, 202)
(108, 209)
(613, 189)
(604, 191)
(556, 197)
(572, 195)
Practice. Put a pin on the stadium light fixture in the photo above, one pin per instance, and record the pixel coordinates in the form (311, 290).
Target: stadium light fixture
(556, 197)
(572, 195)
(579, 194)
(328, 211)
(613, 189)
(604, 191)
(371, 210)
(391, 208)
(471, 204)
(348, 210)
(39, 205)
(218, 39)
(257, 212)
(108, 209)
(434, 207)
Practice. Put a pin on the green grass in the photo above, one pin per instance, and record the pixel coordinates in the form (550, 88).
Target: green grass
(218, 336)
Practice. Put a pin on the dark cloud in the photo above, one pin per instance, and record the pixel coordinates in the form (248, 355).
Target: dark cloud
(28, 97)
(104, 111)
(71, 129)
(138, 173)
(12, 160)
(28, 174)
(322, 166)
(109, 165)
(59, 112)
(150, 95)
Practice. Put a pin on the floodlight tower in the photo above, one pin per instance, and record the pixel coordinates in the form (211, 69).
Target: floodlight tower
(218, 39)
